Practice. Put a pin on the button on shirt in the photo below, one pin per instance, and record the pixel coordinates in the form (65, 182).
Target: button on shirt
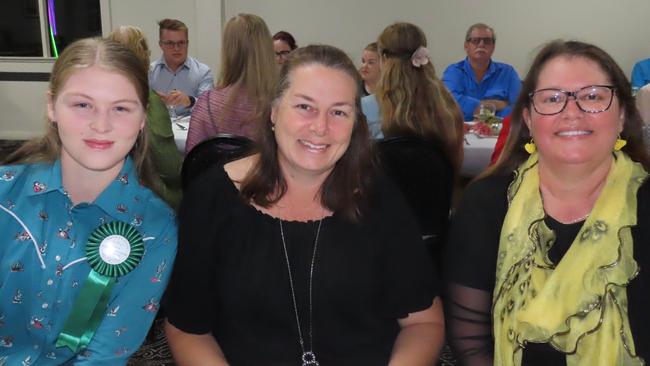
(43, 266)
(500, 82)
(192, 78)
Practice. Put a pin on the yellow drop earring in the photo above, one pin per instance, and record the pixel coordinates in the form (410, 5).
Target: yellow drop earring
(530, 147)
(618, 145)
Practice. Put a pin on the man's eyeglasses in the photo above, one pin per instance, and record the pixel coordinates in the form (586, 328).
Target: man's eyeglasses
(172, 44)
(590, 99)
(283, 54)
(488, 41)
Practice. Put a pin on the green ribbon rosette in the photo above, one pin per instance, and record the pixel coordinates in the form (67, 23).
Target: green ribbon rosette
(113, 250)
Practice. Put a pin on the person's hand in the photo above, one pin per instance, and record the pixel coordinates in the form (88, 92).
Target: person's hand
(499, 104)
(175, 98)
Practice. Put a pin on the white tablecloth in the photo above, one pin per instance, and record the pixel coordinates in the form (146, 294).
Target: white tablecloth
(180, 127)
(477, 153)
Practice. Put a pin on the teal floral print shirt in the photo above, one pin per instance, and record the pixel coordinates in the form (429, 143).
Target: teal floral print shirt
(43, 265)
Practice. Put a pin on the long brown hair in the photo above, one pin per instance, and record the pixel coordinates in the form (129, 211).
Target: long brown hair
(247, 62)
(347, 186)
(412, 100)
(513, 152)
(81, 54)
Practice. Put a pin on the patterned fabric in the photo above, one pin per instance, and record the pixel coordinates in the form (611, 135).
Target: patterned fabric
(212, 116)
(501, 82)
(42, 265)
(192, 78)
(580, 305)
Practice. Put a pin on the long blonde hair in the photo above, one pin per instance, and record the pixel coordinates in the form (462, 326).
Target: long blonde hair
(134, 38)
(247, 61)
(412, 100)
(79, 55)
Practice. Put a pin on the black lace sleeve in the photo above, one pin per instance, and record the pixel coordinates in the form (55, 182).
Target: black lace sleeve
(470, 265)
(469, 324)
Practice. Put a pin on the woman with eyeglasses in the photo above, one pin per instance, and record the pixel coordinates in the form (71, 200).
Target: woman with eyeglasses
(248, 73)
(548, 251)
(283, 44)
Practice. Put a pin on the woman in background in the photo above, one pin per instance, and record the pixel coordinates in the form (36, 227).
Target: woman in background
(86, 247)
(548, 253)
(312, 257)
(246, 80)
(369, 70)
(410, 98)
(422, 128)
(283, 44)
(163, 153)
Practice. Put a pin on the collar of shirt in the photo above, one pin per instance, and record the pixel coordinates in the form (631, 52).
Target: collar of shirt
(47, 178)
(468, 69)
(162, 63)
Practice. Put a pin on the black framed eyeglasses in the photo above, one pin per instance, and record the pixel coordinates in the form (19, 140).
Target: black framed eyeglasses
(590, 99)
(488, 41)
(282, 53)
(172, 44)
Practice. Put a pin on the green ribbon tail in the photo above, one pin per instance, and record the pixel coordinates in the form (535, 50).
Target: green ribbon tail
(87, 312)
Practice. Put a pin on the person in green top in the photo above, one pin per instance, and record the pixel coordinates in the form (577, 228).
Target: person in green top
(166, 158)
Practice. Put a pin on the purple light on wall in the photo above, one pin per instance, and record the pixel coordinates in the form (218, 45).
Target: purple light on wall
(51, 17)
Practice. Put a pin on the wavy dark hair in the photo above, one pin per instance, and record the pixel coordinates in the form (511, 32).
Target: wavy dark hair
(346, 188)
(513, 152)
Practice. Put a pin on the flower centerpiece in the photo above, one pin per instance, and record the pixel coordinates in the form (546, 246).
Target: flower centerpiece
(487, 116)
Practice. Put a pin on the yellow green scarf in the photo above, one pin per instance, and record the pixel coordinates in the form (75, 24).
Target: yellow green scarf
(579, 306)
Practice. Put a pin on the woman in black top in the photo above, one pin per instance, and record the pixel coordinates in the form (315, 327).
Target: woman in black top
(302, 253)
(546, 266)
(422, 125)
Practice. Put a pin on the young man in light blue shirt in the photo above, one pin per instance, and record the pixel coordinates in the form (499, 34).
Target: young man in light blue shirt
(176, 77)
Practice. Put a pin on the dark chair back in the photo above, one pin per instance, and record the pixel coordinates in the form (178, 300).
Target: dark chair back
(426, 177)
(220, 149)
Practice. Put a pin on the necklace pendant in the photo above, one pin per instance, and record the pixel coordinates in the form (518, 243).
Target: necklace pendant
(309, 359)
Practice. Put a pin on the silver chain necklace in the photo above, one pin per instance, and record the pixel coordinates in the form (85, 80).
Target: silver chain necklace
(308, 357)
